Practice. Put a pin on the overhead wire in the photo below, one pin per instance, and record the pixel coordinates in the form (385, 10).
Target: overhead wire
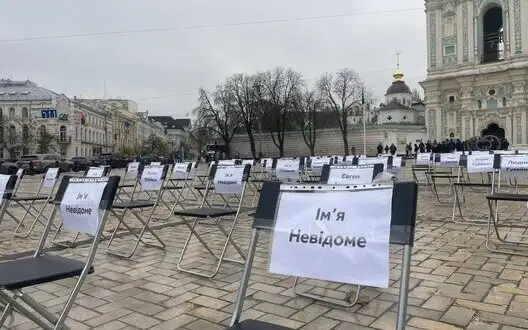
(206, 26)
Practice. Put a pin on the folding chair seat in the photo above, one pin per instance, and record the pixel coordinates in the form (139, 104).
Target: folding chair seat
(512, 167)
(472, 164)
(151, 181)
(137, 204)
(402, 227)
(35, 205)
(19, 274)
(209, 212)
(228, 180)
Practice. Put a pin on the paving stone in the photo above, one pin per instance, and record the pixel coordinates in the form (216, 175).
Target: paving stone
(459, 316)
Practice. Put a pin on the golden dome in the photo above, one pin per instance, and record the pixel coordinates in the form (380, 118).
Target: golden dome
(398, 75)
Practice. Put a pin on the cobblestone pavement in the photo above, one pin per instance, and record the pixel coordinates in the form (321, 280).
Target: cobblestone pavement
(455, 282)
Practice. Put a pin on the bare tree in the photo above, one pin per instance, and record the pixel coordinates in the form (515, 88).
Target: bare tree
(216, 112)
(307, 105)
(241, 90)
(341, 94)
(280, 88)
(416, 95)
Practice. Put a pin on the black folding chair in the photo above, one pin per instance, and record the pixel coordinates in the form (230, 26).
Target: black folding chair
(151, 180)
(18, 274)
(8, 184)
(30, 203)
(228, 180)
(97, 171)
(403, 219)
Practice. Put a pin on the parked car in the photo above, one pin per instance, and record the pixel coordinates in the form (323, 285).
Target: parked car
(40, 163)
(80, 163)
(8, 166)
(113, 160)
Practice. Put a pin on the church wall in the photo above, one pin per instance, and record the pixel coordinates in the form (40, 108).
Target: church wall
(397, 116)
(329, 141)
(403, 98)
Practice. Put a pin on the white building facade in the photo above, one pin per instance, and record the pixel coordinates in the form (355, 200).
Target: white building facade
(477, 69)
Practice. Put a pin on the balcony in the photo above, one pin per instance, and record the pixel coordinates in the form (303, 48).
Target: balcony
(64, 139)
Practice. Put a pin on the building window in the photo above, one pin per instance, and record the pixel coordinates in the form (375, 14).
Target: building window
(1, 113)
(449, 50)
(451, 99)
(12, 113)
(479, 104)
(491, 104)
(504, 102)
(62, 133)
(25, 134)
(25, 112)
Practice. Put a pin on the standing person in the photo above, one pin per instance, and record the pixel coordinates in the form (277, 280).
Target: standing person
(380, 148)
(353, 151)
(392, 149)
(386, 149)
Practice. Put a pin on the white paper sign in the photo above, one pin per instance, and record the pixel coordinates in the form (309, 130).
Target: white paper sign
(374, 160)
(4, 179)
(179, 171)
(480, 163)
(248, 162)
(287, 169)
(19, 173)
(151, 178)
(514, 165)
(228, 179)
(350, 175)
(50, 177)
(318, 163)
(227, 162)
(449, 160)
(396, 166)
(79, 207)
(423, 159)
(133, 167)
(337, 236)
(95, 172)
(155, 163)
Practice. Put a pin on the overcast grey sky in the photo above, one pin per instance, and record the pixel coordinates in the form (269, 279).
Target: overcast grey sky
(153, 68)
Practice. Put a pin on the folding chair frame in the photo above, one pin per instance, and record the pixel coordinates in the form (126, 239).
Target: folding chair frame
(227, 233)
(17, 300)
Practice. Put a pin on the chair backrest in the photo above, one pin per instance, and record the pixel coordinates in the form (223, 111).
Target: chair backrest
(447, 159)
(97, 171)
(350, 174)
(512, 166)
(424, 158)
(50, 177)
(8, 184)
(316, 164)
(288, 169)
(181, 171)
(152, 177)
(372, 161)
(133, 168)
(478, 163)
(81, 200)
(230, 179)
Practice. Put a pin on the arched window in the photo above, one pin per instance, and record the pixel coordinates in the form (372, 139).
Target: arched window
(25, 112)
(25, 133)
(12, 113)
(493, 35)
(12, 134)
(504, 102)
(62, 133)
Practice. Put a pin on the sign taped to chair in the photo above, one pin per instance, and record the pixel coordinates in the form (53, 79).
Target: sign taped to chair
(79, 207)
(480, 163)
(345, 175)
(374, 160)
(514, 165)
(4, 179)
(423, 159)
(179, 171)
(151, 178)
(287, 169)
(340, 236)
(228, 179)
(318, 163)
(50, 177)
(133, 167)
(396, 166)
(155, 163)
(449, 160)
(95, 172)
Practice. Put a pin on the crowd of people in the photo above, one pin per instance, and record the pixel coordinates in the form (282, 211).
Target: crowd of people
(447, 146)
